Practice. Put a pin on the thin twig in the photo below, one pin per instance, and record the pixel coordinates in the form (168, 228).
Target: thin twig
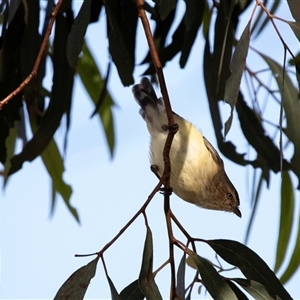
(172, 131)
(38, 59)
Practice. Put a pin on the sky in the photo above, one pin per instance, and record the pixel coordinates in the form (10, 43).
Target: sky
(37, 250)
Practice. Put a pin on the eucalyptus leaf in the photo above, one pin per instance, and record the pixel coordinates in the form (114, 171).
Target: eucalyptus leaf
(286, 219)
(76, 285)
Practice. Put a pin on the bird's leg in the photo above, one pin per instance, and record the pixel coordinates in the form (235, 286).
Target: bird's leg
(163, 190)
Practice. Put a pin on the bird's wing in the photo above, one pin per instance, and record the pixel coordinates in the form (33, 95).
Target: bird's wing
(215, 155)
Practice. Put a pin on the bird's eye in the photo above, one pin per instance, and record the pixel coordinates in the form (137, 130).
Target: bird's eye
(229, 196)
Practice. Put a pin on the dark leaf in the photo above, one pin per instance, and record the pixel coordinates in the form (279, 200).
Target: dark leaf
(255, 289)
(146, 278)
(286, 219)
(95, 10)
(132, 292)
(250, 264)
(59, 103)
(290, 102)
(239, 294)
(76, 285)
(294, 8)
(237, 66)
(165, 7)
(76, 36)
(227, 148)
(295, 26)
(256, 136)
(118, 49)
(221, 56)
(10, 62)
(294, 261)
(193, 19)
(215, 284)
(114, 293)
(93, 83)
(180, 288)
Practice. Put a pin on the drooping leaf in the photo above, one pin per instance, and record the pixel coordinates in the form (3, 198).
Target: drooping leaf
(295, 26)
(95, 10)
(289, 95)
(239, 294)
(255, 206)
(55, 166)
(59, 102)
(132, 292)
(76, 36)
(114, 293)
(117, 45)
(294, 261)
(222, 49)
(11, 38)
(94, 83)
(192, 19)
(76, 285)
(250, 264)
(165, 7)
(228, 149)
(146, 278)
(286, 219)
(255, 289)
(237, 66)
(215, 284)
(180, 288)
(294, 8)
(254, 132)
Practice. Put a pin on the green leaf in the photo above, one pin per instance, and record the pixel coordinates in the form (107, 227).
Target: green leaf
(59, 102)
(221, 56)
(294, 8)
(250, 264)
(237, 66)
(180, 288)
(240, 295)
(255, 289)
(269, 156)
(146, 278)
(215, 284)
(192, 19)
(289, 95)
(93, 83)
(118, 49)
(255, 205)
(132, 292)
(113, 290)
(286, 219)
(76, 37)
(294, 261)
(76, 285)
(295, 26)
(165, 7)
(55, 167)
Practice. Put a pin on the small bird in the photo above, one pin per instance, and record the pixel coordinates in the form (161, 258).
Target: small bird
(197, 171)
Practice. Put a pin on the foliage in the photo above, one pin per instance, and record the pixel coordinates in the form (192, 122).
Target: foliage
(225, 68)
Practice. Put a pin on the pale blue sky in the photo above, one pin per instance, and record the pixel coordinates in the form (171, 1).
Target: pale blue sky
(37, 252)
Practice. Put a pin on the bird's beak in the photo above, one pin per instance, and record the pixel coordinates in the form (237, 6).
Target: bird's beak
(237, 212)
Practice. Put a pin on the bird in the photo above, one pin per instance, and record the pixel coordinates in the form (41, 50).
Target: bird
(197, 171)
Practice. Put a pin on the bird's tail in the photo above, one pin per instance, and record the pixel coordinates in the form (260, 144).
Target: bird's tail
(144, 94)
